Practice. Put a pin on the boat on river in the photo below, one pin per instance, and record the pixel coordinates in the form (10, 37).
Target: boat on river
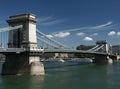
(79, 61)
(59, 62)
(54, 60)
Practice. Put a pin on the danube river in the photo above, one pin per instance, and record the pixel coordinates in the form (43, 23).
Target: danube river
(90, 76)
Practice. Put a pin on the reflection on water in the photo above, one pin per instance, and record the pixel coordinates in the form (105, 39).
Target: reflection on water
(36, 82)
(22, 82)
(90, 76)
(113, 73)
(1, 66)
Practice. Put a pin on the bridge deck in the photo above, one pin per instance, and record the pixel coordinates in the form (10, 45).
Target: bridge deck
(71, 51)
(19, 50)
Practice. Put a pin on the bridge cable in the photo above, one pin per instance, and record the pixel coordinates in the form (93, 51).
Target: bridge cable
(98, 48)
(93, 48)
(61, 45)
(46, 42)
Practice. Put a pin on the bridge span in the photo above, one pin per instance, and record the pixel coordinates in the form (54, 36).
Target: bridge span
(25, 44)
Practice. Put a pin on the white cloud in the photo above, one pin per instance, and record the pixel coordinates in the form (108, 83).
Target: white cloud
(112, 33)
(80, 34)
(47, 21)
(118, 33)
(43, 19)
(102, 26)
(94, 34)
(89, 28)
(88, 39)
(62, 34)
(50, 36)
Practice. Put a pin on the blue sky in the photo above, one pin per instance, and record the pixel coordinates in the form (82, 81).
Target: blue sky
(72, 22)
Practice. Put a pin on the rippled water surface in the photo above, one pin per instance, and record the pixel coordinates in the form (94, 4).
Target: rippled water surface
(90, 76)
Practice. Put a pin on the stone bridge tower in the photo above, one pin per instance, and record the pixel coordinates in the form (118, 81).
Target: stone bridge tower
(106, 48)
(23, 37)
(27, 62)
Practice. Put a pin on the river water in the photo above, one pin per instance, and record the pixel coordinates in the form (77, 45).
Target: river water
(90, 76)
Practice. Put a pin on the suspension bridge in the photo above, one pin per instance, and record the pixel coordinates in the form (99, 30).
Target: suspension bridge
(22, 44)
(45, 44)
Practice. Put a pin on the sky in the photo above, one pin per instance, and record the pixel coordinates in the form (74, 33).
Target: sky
(71, 22)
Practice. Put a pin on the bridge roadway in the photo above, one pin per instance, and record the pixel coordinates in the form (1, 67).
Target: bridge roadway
(72, 51)
(20, 50)
(17, 50)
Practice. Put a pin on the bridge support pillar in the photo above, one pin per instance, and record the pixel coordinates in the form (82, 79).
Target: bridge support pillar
(36, 67)
(114, 58)
(22, 64)
(103, 59)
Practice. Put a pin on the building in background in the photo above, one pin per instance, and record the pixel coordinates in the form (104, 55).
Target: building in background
(116, 49)
(84, 47)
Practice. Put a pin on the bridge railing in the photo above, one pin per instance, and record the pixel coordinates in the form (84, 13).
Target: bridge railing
(12, 50)
(71, 51)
